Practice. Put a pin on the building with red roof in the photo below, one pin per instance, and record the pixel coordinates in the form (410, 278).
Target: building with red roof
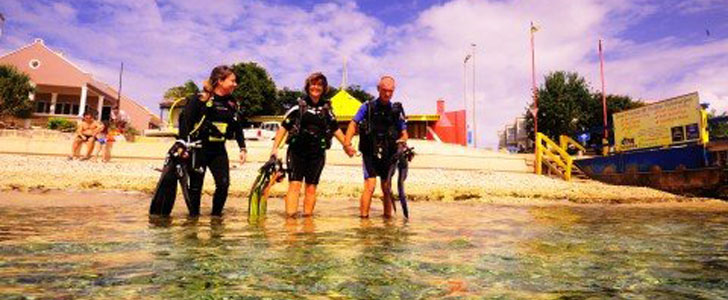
(65, 90)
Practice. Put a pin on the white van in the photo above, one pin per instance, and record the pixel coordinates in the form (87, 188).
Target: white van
(267, 131)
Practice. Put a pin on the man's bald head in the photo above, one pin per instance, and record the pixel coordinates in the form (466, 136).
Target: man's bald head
(387, 81)
(386, 88)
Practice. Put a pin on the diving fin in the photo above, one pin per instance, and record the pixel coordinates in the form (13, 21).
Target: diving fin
(402, 176)
(270, 173)
(174, 171)
(166, 191)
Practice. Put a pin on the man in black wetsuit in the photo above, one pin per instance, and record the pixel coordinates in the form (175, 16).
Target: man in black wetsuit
(211, 118)
(382, 126)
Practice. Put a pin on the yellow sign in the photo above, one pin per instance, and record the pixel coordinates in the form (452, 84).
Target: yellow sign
(672, 121)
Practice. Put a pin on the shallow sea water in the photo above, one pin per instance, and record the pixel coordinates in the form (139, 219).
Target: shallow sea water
(104, 245)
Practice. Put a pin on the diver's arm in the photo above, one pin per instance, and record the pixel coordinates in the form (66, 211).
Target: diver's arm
(342, 139)
(240, 135)
(240, 139)
(339, 135)
(403, 137)
(277, 141)
(350, 131)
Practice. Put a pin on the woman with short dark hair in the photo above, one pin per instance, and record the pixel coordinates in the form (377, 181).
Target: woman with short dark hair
(310, 126)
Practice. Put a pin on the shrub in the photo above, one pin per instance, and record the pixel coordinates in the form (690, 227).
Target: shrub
(61, 124)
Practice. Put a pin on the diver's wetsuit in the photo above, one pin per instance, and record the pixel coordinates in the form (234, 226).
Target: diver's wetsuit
(307, 149)
(377, 140)
(221, 122)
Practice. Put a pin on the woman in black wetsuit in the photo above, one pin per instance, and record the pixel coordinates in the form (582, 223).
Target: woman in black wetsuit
(212, 117)
(310, 126)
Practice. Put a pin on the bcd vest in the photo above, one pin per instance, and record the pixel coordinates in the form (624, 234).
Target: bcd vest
(378, 132)
(312, 131)
(217, 118)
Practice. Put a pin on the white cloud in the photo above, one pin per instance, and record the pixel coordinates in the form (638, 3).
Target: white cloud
(164, 43)
(428, 59)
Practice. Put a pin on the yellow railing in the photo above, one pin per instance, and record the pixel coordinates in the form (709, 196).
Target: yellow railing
(558, 161)
(565, 141)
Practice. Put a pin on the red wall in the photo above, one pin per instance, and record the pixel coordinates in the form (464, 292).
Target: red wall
(451, 126)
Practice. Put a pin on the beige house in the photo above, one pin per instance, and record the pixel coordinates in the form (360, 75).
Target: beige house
(65, 90)
(514, 135)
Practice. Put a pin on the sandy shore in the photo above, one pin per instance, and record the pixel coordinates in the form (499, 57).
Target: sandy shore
(42, 173)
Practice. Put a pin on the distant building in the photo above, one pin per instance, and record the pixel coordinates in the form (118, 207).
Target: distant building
(64, 90)
(514, 136)
(450, 128)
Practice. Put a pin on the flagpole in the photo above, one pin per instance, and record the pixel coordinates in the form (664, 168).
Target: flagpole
(533, 82)
(605, 139)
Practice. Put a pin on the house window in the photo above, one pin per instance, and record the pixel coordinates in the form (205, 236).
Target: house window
(34, 64)
(75, 109)
(42, 107)
(63, 108)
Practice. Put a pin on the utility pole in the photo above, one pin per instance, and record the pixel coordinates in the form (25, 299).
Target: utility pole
(475, 119)
(118, 96)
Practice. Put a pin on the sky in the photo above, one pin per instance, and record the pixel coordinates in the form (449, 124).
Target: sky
(653, 49)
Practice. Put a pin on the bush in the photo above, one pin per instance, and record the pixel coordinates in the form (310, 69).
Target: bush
(130, 133)
(61, 124)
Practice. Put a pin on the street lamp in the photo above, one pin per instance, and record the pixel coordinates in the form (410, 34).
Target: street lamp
(475, 131)
(465, 95)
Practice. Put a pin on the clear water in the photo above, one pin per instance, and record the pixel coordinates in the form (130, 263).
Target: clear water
(84, 247)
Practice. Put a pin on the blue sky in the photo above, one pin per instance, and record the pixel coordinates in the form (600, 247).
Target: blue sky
(654, 49)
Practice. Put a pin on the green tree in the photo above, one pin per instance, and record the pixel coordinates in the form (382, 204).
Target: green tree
(357, 92)
(595, 113)
(566, 106)
(15, 89)
(562, 104)
(615, 103)
(182, 91)
(288, 98)
(256, 90)
(354, 90)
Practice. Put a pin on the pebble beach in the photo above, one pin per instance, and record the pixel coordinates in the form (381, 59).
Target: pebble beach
(35, 173)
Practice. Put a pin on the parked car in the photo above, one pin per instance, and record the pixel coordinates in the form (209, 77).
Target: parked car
(266, 131)
(252, 133)
(269, 129)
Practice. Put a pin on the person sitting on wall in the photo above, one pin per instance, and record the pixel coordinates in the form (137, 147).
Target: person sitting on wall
(86, 132)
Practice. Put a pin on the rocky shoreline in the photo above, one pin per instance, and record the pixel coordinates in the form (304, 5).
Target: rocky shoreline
(45, 173)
